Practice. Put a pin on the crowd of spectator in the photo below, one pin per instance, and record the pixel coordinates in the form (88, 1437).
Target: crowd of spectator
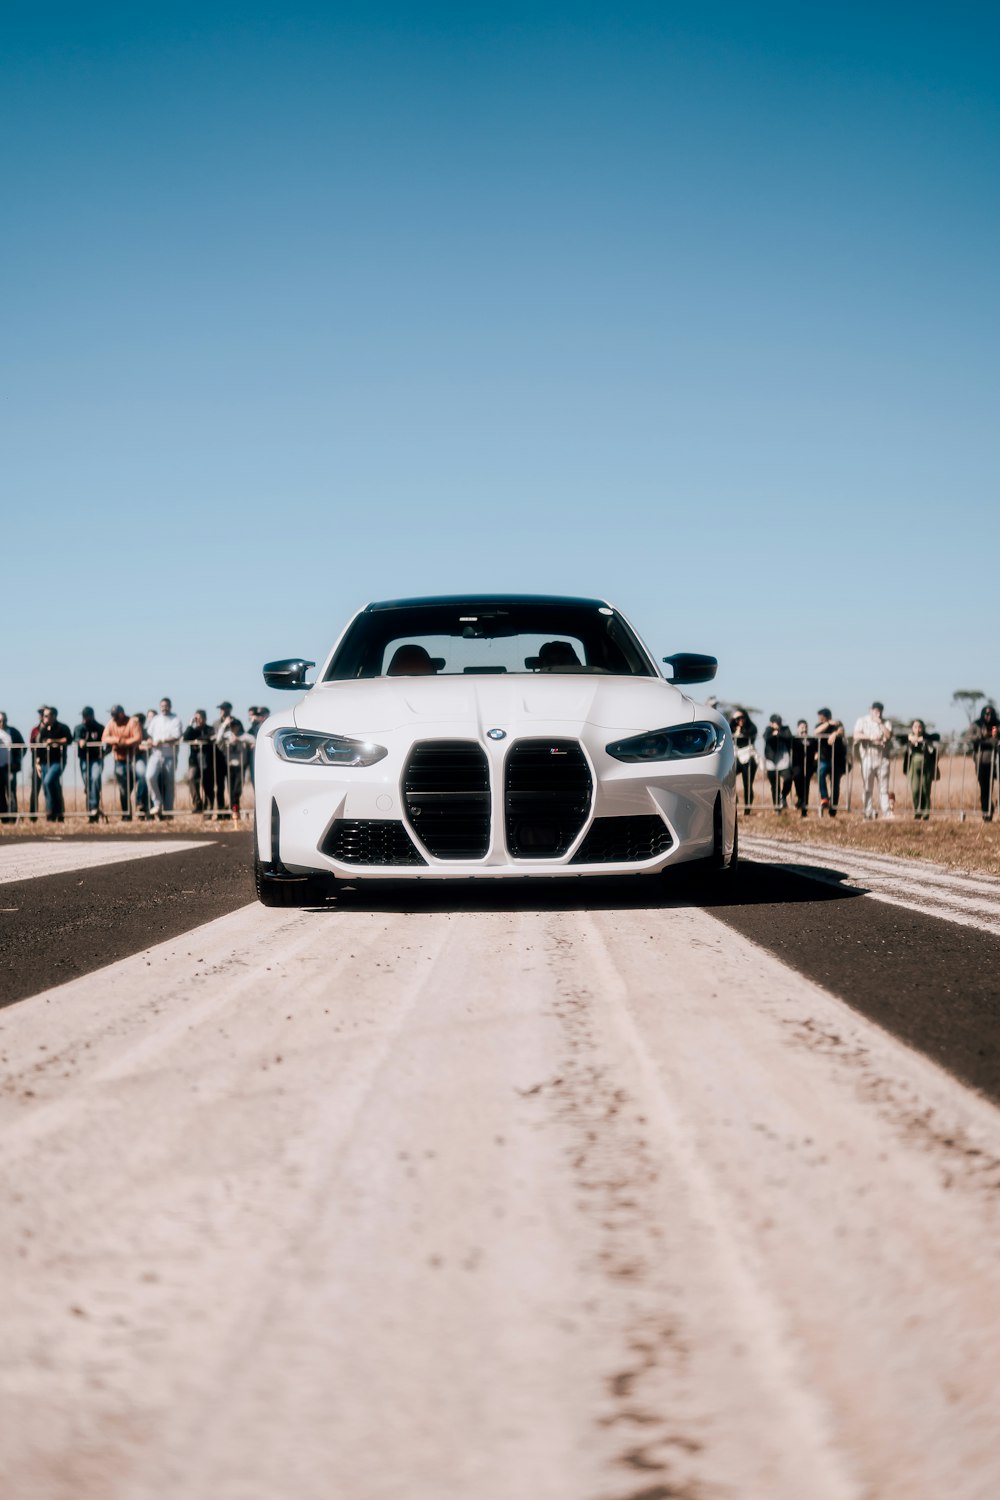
(143, 750)
(792, 759)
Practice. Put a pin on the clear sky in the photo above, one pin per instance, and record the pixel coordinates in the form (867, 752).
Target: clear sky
(693, 306)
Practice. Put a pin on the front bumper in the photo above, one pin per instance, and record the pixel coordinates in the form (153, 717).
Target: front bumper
(358, 824)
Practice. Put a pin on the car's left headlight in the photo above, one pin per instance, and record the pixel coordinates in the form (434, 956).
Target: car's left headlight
(303, 747)
(679, 743)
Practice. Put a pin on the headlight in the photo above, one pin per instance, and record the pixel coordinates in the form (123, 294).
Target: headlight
(305, 748)
(670, 744)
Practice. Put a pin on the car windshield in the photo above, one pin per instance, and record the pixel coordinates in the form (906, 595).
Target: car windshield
(448, 638)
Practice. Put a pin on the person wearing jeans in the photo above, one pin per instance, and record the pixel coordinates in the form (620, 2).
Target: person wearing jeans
(87, 735)
(50, 755)
(164, 731)
(123, 734)
(831, 760)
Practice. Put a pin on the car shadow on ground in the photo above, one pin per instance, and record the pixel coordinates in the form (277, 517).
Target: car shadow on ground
(750, 885)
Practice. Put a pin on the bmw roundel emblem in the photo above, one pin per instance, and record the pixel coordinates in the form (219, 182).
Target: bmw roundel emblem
(496, 734)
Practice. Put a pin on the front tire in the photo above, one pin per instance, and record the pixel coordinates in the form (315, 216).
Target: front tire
(288, 890)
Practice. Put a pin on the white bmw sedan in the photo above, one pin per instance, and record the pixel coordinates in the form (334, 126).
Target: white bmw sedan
(489, 737)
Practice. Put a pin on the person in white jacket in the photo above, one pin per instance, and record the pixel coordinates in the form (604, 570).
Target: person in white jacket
(164, 731)
(872, 736)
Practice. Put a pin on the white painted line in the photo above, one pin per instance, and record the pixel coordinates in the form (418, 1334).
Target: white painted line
(928, 889)
(30, 861)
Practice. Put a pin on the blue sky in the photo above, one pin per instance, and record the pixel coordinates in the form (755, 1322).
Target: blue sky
(691, 306)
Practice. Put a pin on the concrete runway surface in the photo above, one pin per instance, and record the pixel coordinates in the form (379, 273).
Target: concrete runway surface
(574, 1194)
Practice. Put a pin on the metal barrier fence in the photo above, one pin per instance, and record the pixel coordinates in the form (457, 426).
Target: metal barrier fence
(964, 783)
(42, 783)
(39, 784)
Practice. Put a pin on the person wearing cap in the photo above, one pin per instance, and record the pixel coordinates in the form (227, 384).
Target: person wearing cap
(221, 762)
(91, 752)
(872, 738)
(163, 731)
(831, 760)
(231, 743)
(122, 735)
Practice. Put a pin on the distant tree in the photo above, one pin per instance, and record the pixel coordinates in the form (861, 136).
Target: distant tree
(968, 700)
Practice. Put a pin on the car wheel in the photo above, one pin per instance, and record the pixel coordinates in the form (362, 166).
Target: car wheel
(272, 890)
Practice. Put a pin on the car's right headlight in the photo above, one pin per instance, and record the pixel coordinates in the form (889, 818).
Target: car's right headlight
(677, 743)
(304, 747)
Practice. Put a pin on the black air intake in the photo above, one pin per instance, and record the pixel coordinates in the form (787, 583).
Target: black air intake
(547, 796)
(612, 841)
(446, 792)
(371, 841)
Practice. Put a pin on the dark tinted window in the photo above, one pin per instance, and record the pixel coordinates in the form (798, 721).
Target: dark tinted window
(516, 637)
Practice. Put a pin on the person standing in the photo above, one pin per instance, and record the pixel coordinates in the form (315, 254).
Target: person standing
(230, 740)
(35, 794)
(778, 760)
(744, 732)
(831, 760)
(88, 736)
(201, 761)
(122, 735)
(983, 735)
(257, 718)
(163, 731)
(872, 738)
(920, 767)
(6, 776)
(53, 738)
(803, 765)
(17, 753)
(221, 761)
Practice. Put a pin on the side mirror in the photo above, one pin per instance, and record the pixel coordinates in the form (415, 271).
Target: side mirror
(690, 667)
(290, 673)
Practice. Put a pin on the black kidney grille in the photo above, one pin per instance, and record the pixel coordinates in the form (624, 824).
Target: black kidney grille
(612, 841)
(446, 792)
(371, 841)
(547, 794)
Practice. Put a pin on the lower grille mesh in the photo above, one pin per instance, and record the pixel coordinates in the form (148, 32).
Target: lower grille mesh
(371, 841)
(612, 841)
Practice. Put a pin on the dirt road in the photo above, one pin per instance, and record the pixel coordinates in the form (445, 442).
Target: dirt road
(491, 1202)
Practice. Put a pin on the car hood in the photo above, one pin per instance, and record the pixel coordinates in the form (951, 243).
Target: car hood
(516, 704)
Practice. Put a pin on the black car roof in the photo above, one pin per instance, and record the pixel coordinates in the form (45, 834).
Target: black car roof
(484, 601)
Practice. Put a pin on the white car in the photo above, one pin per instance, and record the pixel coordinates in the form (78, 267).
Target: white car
(487, 737)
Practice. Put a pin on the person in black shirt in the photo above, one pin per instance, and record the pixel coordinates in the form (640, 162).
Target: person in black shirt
(778, 760)
(201, 761)
(744, 732)
(50, 756)
(983, 735)
(803, 764)
(11, 755)
(87, 736)
(831, 751)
